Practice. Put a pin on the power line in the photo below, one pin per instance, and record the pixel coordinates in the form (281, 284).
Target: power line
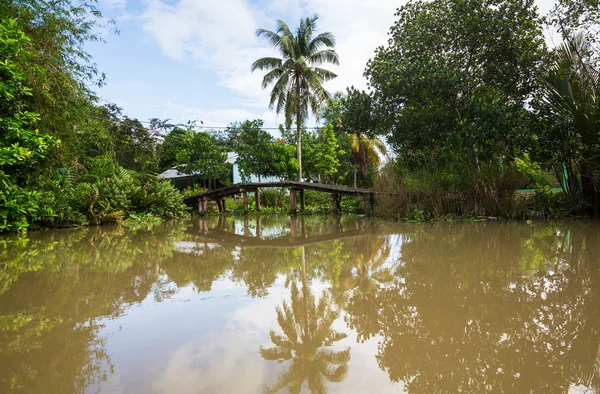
(223, 127)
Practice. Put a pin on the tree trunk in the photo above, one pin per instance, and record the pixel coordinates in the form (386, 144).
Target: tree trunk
(298, 131)
(355, 171)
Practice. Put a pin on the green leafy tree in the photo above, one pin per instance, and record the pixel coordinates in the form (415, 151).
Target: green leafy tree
(453, 82)
(578, 17)
(59, 70)
(284, 161)
(22, 145)
(358, 119)
(254, 149)
(297, 80)
(202, 157)
(327, 162)
(172, 147)
(133, 146)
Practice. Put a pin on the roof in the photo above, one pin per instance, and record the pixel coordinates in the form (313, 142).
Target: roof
(172, 173)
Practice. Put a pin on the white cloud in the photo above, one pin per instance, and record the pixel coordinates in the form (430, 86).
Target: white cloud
(222, 116)
(219, 36)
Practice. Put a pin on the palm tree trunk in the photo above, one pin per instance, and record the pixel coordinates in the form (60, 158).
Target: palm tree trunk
(355, 171)
(299, 130)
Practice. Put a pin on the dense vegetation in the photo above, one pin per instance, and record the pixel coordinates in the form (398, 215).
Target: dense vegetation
(466, 94)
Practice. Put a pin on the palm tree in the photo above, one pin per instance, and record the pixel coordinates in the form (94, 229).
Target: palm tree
(306, 338)
(298, 82)
(365, 151)
(572, 89)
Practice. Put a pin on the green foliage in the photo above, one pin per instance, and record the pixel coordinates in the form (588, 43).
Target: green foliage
(284, 161)
(173, 147)
(455, 77)
(569, 120)
(21, 146)
(17, 205)
(534, 176)
(327, 162)
(202, 157)
(254, 150)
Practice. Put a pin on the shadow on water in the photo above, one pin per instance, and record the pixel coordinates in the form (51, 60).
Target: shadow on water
(498, 307)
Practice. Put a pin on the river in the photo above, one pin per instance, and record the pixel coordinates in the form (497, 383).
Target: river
(304, 304)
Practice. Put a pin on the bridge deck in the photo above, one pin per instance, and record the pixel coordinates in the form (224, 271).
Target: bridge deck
(253, 187)
(244, 188)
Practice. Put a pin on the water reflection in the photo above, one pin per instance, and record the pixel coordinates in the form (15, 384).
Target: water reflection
(442, 308)
(307, 334)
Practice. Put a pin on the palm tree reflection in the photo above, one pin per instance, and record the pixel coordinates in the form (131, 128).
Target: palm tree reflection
(306, 325)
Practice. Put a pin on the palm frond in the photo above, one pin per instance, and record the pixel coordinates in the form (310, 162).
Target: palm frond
(274, 39)
(324, 75)
(338, 357)
(324, 56)
(275, 353)
(272, 76)
(334, 374)
(323, 40)
(266, 63)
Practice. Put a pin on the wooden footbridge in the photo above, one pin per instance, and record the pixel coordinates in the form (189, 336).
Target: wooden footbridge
(296, 195)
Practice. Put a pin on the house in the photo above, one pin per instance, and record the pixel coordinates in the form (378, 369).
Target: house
(181, 180)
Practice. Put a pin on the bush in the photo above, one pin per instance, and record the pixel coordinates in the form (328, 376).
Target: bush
(274, 198)
(101, 192)
(533, 176)
(419, 195)
(18, 206)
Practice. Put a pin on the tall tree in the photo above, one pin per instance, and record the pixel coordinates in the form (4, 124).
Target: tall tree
(578, 17)
(297, 80)
(358, 120)
(254, 149)
(570, 111)
(454, 80)
(202, 157)
(327, 162)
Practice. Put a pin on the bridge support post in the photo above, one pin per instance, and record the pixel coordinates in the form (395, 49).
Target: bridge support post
(336, 203)
(220, 206)
(333, 204)
(363, 205)
(302, 200)
(257, 198)
(245, 195)
(293, 207)
(372, 200)
(224, 205)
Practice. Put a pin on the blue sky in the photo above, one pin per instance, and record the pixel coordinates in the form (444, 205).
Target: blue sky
(190, 59)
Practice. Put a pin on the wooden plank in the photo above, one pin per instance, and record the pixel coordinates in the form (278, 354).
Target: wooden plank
(228, 191)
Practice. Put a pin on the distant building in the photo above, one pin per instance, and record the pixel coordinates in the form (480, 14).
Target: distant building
(181, 180)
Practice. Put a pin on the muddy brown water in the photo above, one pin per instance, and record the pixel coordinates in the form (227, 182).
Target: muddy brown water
(309, 304)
